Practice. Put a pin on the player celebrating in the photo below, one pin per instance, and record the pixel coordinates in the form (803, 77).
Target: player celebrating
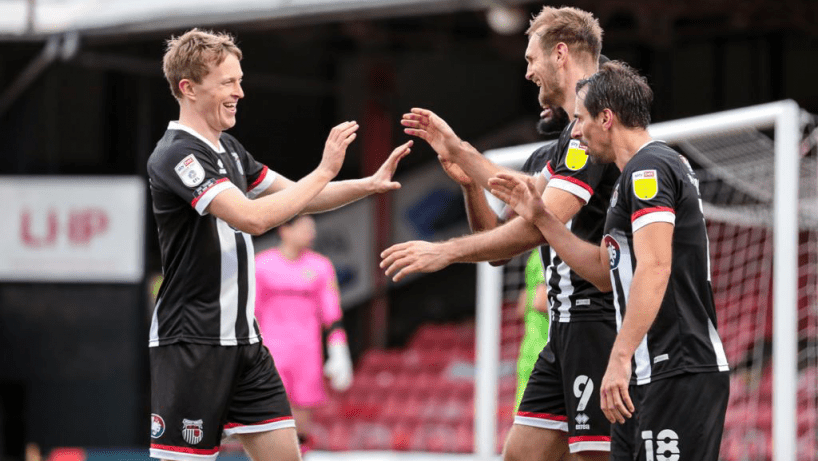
(667, 365)
(210, 374)
(560, 397)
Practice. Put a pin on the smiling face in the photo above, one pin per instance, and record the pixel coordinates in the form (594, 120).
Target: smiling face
(543, 71)
(215, 99)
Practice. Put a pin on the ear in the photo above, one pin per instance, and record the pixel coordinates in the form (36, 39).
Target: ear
(560, 53)
(187, 88)
(607, 118)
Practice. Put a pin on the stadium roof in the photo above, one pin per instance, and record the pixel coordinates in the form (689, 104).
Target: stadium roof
(37, 19)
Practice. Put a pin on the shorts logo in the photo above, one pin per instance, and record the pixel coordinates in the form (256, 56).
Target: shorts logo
(157, 426)
(645, 184)
(576, 159)
(192, 431)
(582, 422)
(190, 171)
(614, 251)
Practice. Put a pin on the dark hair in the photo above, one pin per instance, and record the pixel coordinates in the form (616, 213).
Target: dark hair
(622, 90)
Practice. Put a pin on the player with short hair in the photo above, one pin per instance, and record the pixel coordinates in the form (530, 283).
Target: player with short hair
(668, 373)
(210, 374)
(559, 411)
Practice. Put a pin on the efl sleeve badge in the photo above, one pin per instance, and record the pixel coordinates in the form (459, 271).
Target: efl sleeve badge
(576, 158)
(190, 171)
(645, 184)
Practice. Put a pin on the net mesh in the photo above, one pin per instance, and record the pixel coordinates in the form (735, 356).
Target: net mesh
(735, 169)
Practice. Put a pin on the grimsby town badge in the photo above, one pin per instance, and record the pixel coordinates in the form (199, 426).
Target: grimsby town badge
(192, 431)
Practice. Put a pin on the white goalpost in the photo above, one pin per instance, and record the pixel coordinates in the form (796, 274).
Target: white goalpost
(715, 142)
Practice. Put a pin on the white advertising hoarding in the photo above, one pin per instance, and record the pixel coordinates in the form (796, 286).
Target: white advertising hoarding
(72, 229)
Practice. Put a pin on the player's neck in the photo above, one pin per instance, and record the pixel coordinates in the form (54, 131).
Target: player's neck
(190, 119)
(627, 143)
(291, 252)
(576, 74)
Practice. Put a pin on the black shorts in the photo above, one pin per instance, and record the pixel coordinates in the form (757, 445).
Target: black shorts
(678, 418)
(563, 390)
(200, 392)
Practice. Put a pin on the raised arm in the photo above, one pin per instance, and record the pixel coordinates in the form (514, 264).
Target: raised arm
(340, 193)
(262, 214)
(586, 259)
(480, 215)
(503, 242)
(428, 126)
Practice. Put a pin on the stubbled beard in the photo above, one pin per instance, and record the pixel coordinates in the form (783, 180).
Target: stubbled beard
(553, 124)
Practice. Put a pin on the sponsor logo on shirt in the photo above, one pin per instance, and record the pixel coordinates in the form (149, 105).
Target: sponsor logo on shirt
(615, 196)
(190, 171)
(576, 159)
(205, 186)
(645, 184)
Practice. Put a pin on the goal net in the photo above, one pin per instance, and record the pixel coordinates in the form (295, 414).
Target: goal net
(757, 174)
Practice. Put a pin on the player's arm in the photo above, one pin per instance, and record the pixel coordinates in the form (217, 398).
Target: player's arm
(339, 193)
(262, 214)
(586, 259)
(653, 250)
(480, 215)
(503, 242)
(428, 126)
(540, 302)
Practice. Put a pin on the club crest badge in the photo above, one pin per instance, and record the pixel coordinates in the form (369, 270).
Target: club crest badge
(645, 184)
(192, 431)
(576, 159)
(157, 426)
(614, 251)
(190, 171)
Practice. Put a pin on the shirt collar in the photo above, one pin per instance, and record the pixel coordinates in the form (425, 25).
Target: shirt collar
(175, 125)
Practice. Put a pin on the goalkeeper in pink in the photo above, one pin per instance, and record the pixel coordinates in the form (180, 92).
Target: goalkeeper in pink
(296, 301)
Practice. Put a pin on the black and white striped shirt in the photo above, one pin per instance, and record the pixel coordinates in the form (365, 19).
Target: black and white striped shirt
(572, 298)
(208, 292)
(658, 185)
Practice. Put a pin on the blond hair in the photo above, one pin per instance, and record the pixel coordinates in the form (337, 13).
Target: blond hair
(576, 28)
(190, 55)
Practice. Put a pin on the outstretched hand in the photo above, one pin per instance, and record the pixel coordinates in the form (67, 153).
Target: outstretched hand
(335, 149)
(520, 193)
(382, 179)
(412, 257)
(426, 125)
